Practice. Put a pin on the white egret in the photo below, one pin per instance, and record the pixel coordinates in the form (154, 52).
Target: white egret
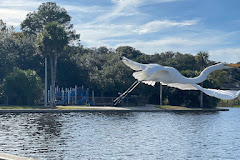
(152, 73)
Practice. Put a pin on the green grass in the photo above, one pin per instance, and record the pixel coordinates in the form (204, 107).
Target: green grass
(229, 103)
(232, 106)
(42, 107)
(75, 107)
(24, 107)
(168, 107)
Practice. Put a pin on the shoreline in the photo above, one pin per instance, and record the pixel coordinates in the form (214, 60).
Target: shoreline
(8, 156)
(146, 108)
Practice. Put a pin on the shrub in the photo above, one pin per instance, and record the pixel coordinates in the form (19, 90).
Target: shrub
(22, 87)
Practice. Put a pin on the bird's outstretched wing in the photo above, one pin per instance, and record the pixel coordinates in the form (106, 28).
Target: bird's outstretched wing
(150, 83)
(133, 65)
(181, 86)
(221, 94)
(217, 93)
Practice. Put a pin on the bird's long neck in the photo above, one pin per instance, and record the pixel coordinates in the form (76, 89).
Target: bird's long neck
(203, 76)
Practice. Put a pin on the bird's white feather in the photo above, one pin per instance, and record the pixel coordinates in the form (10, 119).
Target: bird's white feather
(152, 73)
(140, 76)
(182, 86)
(221, 94)
(133, 65)
(150, 83)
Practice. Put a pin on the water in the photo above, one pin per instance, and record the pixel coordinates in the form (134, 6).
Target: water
(122, 136)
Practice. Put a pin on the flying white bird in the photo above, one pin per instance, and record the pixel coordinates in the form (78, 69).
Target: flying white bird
(152, 73)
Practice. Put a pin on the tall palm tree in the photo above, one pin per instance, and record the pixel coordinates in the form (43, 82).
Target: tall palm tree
(51, 42)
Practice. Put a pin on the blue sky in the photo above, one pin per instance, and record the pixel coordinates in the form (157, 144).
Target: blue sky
(151, 26)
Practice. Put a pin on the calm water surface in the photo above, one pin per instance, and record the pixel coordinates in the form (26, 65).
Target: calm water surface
(122, 136)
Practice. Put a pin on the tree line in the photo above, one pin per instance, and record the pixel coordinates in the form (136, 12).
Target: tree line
(49, 33)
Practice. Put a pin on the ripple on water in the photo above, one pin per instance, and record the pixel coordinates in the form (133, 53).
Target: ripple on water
(122, 135)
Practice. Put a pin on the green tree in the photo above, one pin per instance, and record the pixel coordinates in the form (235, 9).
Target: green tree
(68, 71)
(47, 12)
(7, 50)
(17, 50)
(202, 60)
(26, 55)
(164, 59)
(128, 51)
(103, 70)
(51, 24)
(184, 62)
(51, 42)
(23, 87)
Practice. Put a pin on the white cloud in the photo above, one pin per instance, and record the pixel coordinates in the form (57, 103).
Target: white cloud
(13, 17)
(98, 32)
(102, 27)
(97, 27)
(162, 1)
(157, 25)
(126, 3)
(179, 44)
(119, 9)
(14, 12)
(83, 9)
(140, 2)
(125, 8)
(232, 55)
(19, 3)
(93, 34)
(185, 44)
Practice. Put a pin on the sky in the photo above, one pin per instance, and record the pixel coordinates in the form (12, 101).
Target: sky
(151, 26)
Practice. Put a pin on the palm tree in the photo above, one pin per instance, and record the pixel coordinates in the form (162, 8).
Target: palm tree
(202, 59)
(51, 42)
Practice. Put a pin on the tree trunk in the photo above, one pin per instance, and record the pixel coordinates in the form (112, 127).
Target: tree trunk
(55, 74)
(53, 65)
(45, 84)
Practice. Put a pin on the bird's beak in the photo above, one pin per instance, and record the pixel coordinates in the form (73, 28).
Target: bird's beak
(234, 65)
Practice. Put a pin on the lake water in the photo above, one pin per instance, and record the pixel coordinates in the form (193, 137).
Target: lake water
(122, 136)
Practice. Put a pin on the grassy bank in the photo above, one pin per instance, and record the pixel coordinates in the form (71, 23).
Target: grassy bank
(23, 107)
(42, 107)
(168, 107)
(229, 103)
(76, 107)
(231, 106)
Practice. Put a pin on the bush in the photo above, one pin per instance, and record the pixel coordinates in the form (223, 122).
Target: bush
(22, 87)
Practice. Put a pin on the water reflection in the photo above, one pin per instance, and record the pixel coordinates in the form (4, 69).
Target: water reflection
(48, 124)
(74, 136)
